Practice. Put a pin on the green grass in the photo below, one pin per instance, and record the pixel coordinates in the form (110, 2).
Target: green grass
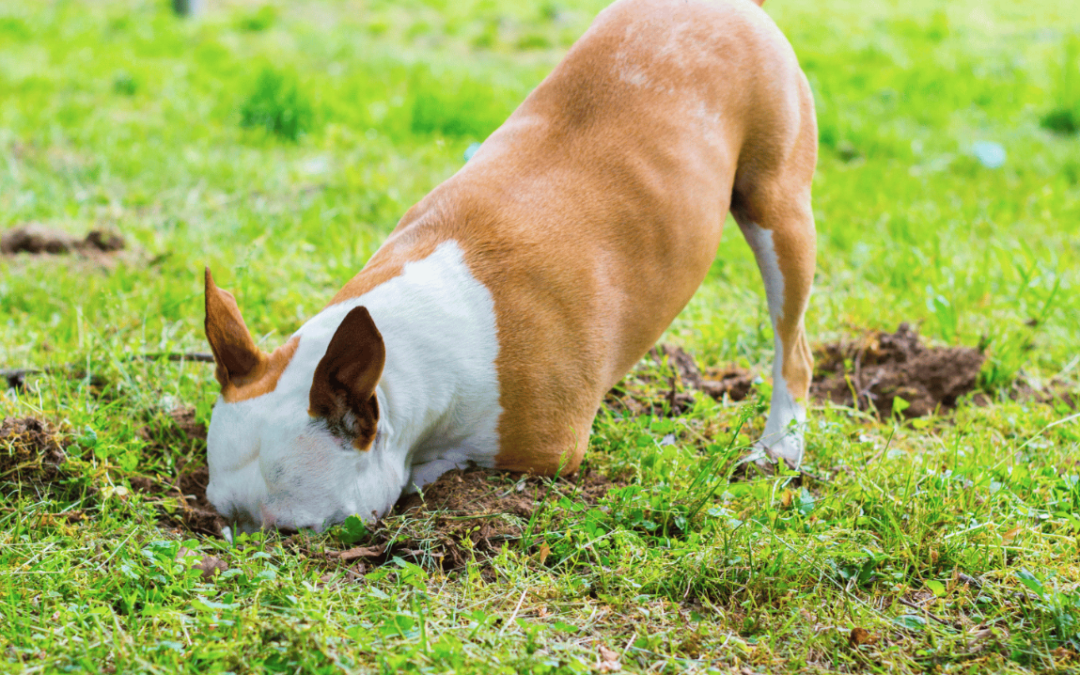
(115, 114)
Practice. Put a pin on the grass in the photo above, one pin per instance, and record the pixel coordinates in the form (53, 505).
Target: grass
(115, 114)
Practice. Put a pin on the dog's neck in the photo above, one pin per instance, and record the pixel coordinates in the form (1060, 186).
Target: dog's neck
(439, 387)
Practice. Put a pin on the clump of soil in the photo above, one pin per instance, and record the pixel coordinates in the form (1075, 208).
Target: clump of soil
(467, 513)
(38, 239)
(664, 382)
(871, 373)
(31, 451)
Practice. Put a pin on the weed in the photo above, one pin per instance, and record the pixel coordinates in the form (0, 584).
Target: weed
(277, 105)
(454, 107)
(1064, 117)
(259, 20)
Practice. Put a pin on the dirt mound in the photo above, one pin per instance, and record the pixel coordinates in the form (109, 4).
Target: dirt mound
(36, 238)
(664, 382)
(871, 373)
(467, 513)
(878, 369)
(31, 451)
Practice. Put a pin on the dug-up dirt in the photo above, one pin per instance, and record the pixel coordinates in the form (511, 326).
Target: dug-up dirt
(187, 507)
(873, 372)
(868, 373)
(466, 515)
(37, 239)
(31, 452)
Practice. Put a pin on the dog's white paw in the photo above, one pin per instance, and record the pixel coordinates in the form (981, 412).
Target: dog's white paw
(788, 449)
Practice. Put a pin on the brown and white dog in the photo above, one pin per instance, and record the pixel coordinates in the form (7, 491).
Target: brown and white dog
(489, 326)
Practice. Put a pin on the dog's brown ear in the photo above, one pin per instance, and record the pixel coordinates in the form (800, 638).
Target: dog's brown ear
(343, 389)
(235, 352)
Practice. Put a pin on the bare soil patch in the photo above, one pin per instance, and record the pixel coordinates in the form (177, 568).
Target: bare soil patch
(38, 239)
(178, 429)
(872, 372)
(187, 507)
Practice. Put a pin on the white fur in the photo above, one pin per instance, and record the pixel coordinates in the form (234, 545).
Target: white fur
(272, 465)
(784, 428)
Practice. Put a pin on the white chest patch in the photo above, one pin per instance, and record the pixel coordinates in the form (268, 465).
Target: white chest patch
(438, 400)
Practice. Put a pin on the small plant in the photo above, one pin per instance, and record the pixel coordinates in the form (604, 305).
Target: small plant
(1064, 118)
(124, 84)
(464, 109)
(1061, 121)
(258, 21)
(277, 105)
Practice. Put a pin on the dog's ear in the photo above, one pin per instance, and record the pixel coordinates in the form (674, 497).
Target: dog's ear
(343, 389)
(235, 352)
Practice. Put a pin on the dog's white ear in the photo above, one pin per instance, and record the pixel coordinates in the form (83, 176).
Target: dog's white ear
(235, 352)
(343, 389)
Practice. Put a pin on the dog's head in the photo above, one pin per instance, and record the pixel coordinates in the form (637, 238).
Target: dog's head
(295, 439)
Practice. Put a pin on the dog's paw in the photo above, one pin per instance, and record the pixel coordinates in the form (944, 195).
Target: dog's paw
(789, 448)
(764, 459)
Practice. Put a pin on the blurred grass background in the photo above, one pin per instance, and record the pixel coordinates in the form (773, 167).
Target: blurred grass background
(279, 142)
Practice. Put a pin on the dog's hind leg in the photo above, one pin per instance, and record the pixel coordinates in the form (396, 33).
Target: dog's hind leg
(778, 223)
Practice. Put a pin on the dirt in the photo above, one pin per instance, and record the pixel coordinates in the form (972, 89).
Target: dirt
(1056, 392)
(869, 373)
(31, 451)
(665, 382)
(38, 239)
(467, 513)
(872, 372)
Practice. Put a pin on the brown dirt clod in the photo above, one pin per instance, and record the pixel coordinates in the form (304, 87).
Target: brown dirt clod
(38, 239)
(31, 450)
(871, 373)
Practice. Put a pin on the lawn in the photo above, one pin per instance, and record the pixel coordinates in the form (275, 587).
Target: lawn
(280, 142)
